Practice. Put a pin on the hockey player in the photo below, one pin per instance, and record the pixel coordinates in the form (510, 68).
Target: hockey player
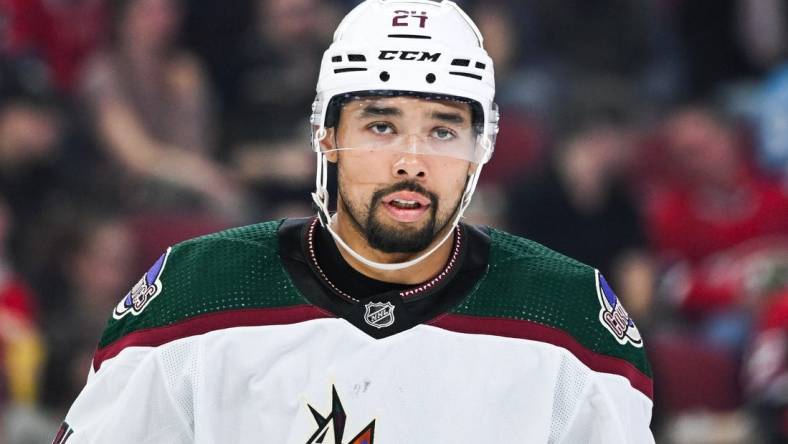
(389, 321)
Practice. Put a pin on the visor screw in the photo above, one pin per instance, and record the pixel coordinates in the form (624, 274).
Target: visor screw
(385, 76)
(430, 78)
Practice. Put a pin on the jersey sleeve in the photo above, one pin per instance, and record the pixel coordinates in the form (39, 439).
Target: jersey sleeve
(616, 405)
(145, 372)
(142, 395)
(605, 390)
(606, 414)
(593, 407)
(139, 393)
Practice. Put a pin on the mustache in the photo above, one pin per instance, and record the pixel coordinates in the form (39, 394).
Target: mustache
(409, 185)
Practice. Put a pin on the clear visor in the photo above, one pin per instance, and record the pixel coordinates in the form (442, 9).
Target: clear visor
(424, 126)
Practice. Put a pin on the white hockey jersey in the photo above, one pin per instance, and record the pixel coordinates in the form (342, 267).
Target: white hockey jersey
(240, 337)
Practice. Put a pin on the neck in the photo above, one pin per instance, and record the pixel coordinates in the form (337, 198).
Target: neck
(416, 274)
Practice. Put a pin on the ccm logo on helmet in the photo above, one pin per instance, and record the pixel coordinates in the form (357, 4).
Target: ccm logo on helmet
(421, 56)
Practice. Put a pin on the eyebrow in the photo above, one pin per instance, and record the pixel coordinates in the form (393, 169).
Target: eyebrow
(374, 111)
(377, 111)
(448, 117)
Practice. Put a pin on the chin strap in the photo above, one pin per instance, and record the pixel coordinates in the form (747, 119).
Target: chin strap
(384, 266)
(320, 199)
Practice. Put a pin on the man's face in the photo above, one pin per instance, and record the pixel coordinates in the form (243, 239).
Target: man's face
(396, 196)
(702, 149)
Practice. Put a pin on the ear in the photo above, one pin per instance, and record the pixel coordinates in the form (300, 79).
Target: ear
(328, 145)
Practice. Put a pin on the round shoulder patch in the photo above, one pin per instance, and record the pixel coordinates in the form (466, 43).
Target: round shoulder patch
(144, 291)
(613, 315)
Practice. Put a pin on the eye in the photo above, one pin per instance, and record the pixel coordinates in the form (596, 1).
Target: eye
(381, 128)
(443, 134)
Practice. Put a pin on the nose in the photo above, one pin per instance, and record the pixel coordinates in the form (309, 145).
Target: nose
(410, 166)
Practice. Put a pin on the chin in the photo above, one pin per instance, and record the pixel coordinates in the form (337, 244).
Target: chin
(398, 237)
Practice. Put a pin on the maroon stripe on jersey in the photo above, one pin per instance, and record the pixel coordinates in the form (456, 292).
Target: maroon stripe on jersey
(253, 317)
(512, 328)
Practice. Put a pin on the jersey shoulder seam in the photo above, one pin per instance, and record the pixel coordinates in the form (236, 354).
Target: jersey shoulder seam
(530, 249)
(228, 235)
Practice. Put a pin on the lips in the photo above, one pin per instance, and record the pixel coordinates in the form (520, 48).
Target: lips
(406, 206)
(407, 198)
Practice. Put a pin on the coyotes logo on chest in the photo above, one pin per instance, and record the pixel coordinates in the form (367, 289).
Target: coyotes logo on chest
(331, 428)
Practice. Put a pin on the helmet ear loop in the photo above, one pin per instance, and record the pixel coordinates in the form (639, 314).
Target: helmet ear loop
(473, 179)
(336, 142)
(320, 196)
(487, 147)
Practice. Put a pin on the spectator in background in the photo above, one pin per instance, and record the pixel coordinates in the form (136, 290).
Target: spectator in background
(766, 365)
(62, 33)
(558, 50)
(151, 108)
(31, 142)
(524, 98)
(771, 115)
(520, 143)
(709, 32)
(274, 79)
(21, 350)
(598, 37)
(266, 131)
(772, 124)
(580, 207)
(763, 25)
(218, 35)
(20, 346)
(93, 265)
(715, 220)
(762, 31)
(584, 46)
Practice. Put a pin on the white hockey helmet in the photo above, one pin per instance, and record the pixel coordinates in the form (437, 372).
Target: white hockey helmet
(422, 48)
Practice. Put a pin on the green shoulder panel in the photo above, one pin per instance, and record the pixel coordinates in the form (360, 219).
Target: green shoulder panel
(529, 282)
(233, 269)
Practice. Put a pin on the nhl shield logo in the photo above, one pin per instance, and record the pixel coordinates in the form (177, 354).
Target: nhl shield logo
(379, 315)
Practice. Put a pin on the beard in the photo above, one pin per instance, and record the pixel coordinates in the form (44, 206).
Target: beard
(393, 239)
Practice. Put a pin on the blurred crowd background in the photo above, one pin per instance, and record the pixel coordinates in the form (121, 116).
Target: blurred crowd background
(648, 138)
